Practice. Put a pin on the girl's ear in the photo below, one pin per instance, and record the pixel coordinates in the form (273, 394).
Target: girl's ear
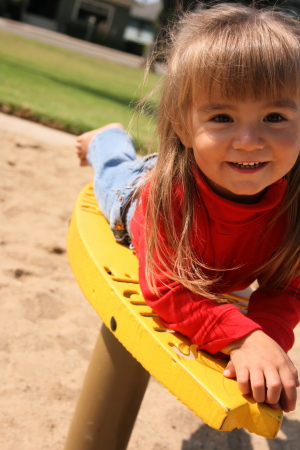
(183, 134)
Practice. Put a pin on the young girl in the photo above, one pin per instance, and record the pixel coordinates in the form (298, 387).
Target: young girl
(218, 208)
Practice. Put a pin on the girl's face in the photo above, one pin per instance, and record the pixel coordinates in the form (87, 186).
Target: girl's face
(243, 147)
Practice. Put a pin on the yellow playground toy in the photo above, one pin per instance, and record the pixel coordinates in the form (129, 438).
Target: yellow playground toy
(133, 344)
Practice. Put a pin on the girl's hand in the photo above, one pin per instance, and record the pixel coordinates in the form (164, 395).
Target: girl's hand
(262, 368)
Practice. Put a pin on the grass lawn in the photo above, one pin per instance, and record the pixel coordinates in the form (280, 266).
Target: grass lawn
(68, 90)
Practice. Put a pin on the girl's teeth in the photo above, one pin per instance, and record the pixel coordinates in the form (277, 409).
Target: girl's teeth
(250, 165)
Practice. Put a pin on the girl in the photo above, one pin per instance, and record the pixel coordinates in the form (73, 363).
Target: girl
(218, 208)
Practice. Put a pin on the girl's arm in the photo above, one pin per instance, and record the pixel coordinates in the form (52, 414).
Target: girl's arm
(260, 356)
(209, 325)
(260, 365)
(216, 328)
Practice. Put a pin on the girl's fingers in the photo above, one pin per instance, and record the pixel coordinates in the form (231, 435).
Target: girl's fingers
(274, 405)
(243, 380)
(282, 386)
(273, 388)
(289, 395)
(287, 402)
(290, 382)
(263, 369)
(229, 371)
(258, 386)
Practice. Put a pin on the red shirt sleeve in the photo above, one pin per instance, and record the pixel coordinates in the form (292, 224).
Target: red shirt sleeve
(209, 325)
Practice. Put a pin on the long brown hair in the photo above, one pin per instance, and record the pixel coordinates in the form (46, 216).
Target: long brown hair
(245, 53)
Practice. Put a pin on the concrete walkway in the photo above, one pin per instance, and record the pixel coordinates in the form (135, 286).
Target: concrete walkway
(70, 43)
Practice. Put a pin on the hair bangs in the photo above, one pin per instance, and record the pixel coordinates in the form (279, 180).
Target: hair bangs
(251, 60)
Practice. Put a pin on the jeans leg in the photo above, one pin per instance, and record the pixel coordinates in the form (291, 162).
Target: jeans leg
(111, 154)
(117, 174)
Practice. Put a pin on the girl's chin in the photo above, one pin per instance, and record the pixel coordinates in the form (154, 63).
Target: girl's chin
(247, 198)
(237, 195)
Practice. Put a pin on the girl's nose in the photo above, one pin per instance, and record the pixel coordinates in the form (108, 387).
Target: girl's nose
(248, 138)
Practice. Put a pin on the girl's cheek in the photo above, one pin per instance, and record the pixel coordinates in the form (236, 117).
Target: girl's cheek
(287, 142)
(290, 136)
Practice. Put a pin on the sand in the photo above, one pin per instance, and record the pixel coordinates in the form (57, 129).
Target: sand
(48, 329)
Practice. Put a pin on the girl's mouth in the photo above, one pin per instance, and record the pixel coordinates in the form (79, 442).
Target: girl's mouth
(247, 165)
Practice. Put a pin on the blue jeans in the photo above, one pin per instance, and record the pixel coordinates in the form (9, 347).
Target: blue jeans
(117, 174)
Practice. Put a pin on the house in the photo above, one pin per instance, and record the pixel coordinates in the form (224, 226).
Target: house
(140, 31)
(99, 21)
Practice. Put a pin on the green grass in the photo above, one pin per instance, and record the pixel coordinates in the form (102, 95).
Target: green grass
(68, 90)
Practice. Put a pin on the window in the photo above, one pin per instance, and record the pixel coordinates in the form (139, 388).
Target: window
(45, 8)
(100, 14)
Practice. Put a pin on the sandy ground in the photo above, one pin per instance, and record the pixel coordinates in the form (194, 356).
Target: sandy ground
(48, 329)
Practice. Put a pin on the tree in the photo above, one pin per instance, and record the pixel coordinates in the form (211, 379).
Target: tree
(170, 12)
(173, 8)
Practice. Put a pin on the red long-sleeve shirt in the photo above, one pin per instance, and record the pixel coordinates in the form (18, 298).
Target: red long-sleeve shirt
(225, 235)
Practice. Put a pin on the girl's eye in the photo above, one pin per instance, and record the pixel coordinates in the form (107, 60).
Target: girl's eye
(274, 118)
(222, 118)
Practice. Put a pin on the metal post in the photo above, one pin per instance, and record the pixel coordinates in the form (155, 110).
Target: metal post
(90, 28)
(110, 399)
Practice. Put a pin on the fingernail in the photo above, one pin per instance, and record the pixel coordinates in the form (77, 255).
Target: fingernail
(226, 373)
(274, 405)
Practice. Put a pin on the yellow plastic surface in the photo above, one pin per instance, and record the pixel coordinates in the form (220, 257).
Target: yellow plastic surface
(107, 273)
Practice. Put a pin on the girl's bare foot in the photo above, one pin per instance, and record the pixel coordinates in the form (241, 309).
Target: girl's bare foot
(83, 141)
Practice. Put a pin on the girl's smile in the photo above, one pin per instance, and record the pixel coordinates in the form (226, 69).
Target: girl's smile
(243, 147)
(251, 166)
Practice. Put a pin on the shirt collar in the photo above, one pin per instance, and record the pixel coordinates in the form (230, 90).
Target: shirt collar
(228, 212)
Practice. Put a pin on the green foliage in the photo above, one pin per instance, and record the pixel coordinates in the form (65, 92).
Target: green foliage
(68, 90)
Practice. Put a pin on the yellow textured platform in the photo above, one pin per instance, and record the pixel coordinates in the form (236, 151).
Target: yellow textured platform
(108, 276)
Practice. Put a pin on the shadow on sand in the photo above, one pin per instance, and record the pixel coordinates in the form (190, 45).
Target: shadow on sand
(207, 438)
